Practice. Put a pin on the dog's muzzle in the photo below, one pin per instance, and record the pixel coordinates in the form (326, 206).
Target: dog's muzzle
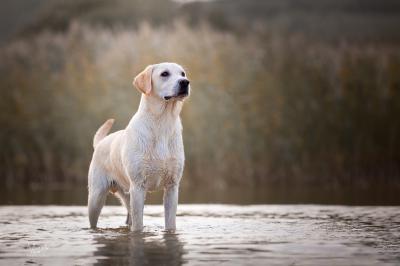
(183, 89)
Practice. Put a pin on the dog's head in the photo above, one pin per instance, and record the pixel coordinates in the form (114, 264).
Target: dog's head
(166, 81)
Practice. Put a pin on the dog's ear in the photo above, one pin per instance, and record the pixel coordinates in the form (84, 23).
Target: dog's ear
(143, 80)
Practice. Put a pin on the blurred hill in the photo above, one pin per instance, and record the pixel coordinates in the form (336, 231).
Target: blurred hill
(352, 20)
(15, 15)
(332, 20)
(22, 18)
(57, 15)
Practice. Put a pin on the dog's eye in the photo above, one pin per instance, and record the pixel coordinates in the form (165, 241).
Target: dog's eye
(165, 74)
(183, 74)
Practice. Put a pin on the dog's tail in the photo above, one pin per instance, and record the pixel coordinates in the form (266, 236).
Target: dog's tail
(102, 132)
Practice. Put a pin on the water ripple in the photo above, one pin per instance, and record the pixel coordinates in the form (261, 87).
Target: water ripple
(207, 234)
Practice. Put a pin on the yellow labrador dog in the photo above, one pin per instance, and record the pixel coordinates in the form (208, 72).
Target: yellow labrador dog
(147, 154)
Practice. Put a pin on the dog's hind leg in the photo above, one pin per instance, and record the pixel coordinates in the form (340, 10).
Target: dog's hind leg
(125, 200)
(98, 190)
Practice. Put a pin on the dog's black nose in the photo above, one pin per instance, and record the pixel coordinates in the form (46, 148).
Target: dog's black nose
(183, 91)
(183, 83)
(183, 87)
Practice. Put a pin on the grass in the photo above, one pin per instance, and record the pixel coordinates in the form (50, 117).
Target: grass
(265, 109)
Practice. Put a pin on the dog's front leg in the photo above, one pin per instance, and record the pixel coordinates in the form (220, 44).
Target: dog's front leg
(137, 197)
(170, 205)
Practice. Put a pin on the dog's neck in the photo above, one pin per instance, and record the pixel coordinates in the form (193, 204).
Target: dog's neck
(158, 113)
(160, 109)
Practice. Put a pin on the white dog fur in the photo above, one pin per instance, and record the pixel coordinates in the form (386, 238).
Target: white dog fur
(147, 154)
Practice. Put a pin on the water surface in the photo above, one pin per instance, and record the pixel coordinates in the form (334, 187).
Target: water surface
(206, 235)
(63, 194)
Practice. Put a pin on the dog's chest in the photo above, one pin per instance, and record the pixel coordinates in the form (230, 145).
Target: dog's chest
(162, 163)
(160, 172)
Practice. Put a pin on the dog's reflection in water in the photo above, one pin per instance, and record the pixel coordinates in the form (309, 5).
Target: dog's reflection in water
(159, 248)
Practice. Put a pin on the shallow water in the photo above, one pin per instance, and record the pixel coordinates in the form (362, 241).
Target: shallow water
(206, 235)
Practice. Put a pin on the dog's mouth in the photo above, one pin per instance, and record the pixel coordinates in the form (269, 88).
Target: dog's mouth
(178, 97)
